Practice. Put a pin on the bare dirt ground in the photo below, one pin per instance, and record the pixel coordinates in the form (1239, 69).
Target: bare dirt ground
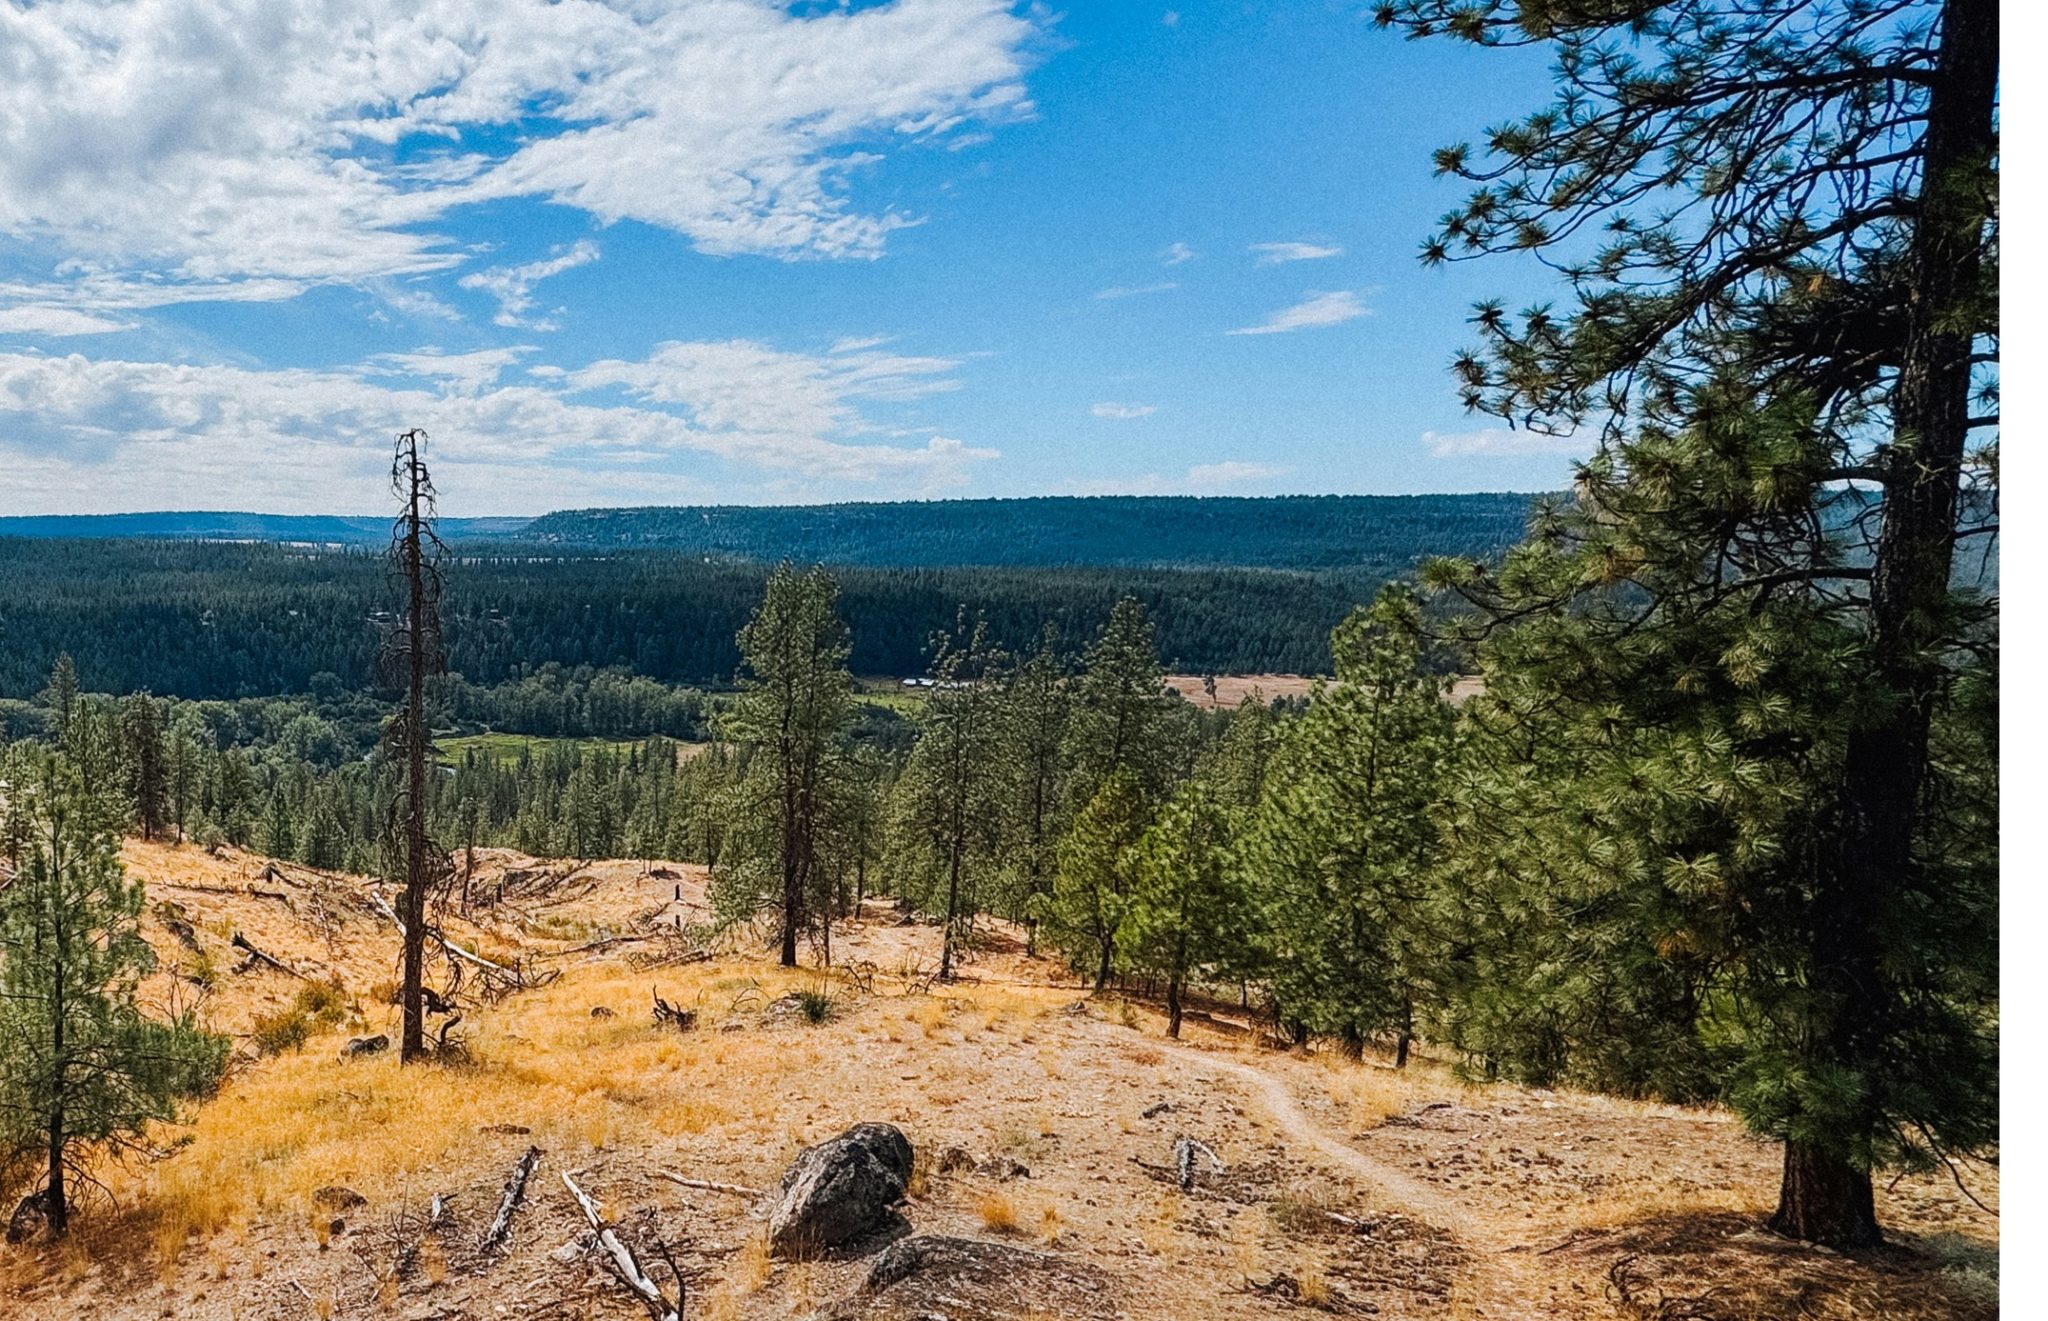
(1346, 1188)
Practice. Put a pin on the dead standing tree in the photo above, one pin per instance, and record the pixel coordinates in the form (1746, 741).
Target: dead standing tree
(413, 652)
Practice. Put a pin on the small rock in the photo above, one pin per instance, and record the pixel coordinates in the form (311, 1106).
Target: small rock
(334, 1197)
(599, 1011)
(1153, 1112)
(358, 1047)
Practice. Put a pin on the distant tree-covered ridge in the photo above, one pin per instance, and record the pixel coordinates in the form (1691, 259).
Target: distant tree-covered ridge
(1291, 531)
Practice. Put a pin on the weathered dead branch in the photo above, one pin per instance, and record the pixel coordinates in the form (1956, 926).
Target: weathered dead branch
(515, 1193)
(623, 1265)
(241, 942)
(710, 1185)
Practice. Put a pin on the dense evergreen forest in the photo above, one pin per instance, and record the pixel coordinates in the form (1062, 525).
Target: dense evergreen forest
(209, 620)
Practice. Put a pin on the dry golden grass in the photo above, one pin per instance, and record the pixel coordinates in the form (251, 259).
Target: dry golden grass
(997, 1213)
(753, 1265)
(1369, 1094)
(303, 1121)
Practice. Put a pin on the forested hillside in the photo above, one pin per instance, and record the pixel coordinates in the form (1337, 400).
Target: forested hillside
(212, 620)
(1294, 531)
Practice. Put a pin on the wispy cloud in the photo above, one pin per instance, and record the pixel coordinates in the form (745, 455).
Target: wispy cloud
(1202, 479)
(1124, 411)
(1132, 290)
(1273, 254)
(1176, 253)
(786, 424)
(1499, 442)
(1328, 309)
(140, 156)
(1232, 473)
(513, 286)
(57, 322)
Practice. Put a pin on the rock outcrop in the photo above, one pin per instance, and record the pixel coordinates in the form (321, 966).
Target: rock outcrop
(842, 1193)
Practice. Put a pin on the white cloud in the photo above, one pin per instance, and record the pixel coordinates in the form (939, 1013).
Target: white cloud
(76, 431)
(1233, 472)
(1124, 411)
(1176, 253)
(1272, 254)
(467, 373)
(1202, 479)
(1132, 290)
(512, 286)
(1316, 310)
(1171, 18)
(56, 322)
(1498, 441)
(739, 385)
(244, 148)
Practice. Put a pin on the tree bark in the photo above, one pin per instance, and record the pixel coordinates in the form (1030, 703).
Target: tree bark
(1826, 1195)
(413, 903)
(1824, 1200)
(1173, 1006)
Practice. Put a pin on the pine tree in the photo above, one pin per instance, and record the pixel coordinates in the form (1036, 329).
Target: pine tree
(794, 700)
(1036, 702)
(1342, 847)
(946, 831)
(1185, 909)
(80, 1066)
(1121, 710)
(280, 837)
(182, 777)
(1085, 911)
(1799, 204)
(60, 696)
(1648, 813)
(145, 756)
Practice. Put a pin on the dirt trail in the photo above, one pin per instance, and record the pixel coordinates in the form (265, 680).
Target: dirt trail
(1498, 1282)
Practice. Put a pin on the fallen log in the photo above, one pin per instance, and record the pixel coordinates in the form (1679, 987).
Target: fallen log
(623, 1264)
(512, 976)
(196, 888)
(241, 942)
(515, 1193)
(710, 1186)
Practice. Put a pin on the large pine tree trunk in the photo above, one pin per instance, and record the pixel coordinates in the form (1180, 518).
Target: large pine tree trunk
(1826, 1196)
(1825, 1200)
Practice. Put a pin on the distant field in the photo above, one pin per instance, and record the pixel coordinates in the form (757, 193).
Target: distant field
(507, 747)
(1233, 689)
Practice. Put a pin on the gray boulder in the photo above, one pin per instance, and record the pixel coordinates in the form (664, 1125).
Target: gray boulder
(842, 1192)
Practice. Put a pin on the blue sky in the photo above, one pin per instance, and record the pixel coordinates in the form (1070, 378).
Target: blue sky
(725, 251)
